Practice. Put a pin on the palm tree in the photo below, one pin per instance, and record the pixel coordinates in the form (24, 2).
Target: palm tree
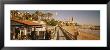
(49, 15)
(28, 16)
(14, 13)
(39, 14)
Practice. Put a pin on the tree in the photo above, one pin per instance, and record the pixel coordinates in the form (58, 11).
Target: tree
(49, 15)
(14, 13)
(52, 22)
(39, 15)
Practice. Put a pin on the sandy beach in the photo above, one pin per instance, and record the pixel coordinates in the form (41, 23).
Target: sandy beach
(82, 35)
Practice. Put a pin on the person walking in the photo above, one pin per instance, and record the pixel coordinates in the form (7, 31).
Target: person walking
(76, 35)
(33, 35)
(17, 31)
(48, 35)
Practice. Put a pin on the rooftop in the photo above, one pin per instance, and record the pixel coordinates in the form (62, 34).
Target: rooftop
(26, 22)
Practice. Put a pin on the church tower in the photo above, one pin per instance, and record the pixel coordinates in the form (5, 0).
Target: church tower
(72, 19)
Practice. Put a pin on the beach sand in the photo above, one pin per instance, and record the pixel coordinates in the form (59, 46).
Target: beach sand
(82, 35)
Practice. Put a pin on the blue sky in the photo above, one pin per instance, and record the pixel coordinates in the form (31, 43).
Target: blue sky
(80, 16)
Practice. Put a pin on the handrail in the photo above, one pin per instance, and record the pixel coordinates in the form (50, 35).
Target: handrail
(68, 35)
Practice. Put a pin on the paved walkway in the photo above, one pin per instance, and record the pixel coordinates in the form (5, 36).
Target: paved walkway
(60, 34)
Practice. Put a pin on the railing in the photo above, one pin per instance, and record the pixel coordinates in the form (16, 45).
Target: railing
(68, 35)
(53, 35)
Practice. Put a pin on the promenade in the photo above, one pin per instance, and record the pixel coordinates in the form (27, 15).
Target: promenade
(83, 34)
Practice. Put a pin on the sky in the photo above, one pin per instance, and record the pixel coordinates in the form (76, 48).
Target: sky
(79, 16)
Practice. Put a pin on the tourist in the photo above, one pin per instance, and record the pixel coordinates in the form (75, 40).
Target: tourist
(33, 35)
(17, 31)
(76, 35)
(48, 35)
